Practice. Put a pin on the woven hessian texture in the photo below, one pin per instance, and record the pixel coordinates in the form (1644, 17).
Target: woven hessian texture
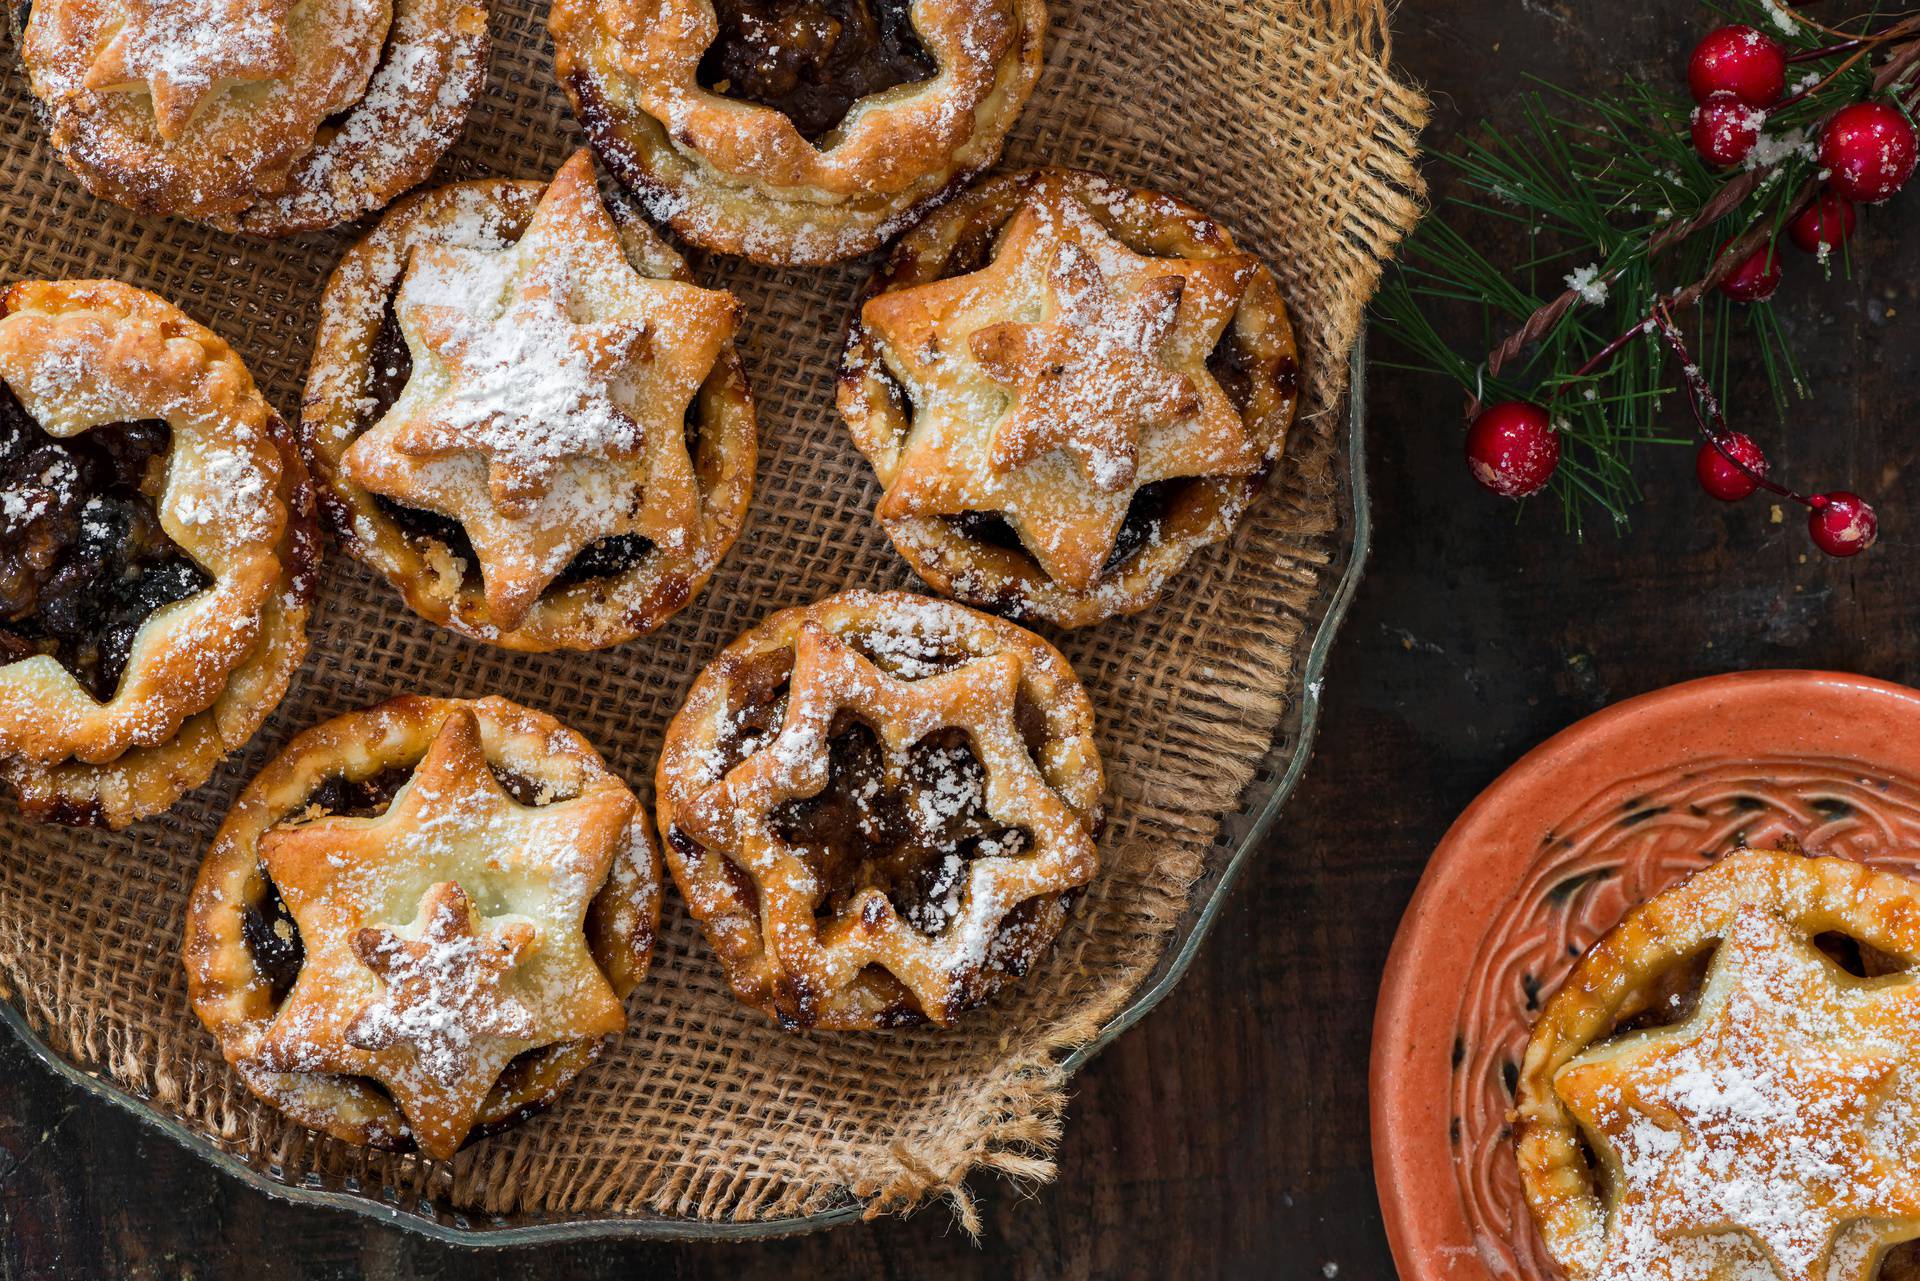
(1279, 116)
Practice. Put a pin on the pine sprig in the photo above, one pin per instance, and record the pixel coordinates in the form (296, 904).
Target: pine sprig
(1617, 214)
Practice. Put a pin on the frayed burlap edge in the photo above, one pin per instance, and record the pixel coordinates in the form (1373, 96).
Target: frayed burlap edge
(1351, 171)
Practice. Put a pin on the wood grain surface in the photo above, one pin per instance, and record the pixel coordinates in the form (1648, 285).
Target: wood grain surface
(1226, 1136)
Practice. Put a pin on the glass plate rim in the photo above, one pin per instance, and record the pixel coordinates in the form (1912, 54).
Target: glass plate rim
(390, 1210)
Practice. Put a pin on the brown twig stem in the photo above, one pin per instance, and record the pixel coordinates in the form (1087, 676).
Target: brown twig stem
(1904, 39)
(1706, 407)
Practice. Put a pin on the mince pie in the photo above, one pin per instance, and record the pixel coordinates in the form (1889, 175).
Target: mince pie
(419, 922)
(264, 116)
(880, 808)
(796, 131)
(1722, 1088)
(1067, 388)
(158, 552)
(524, 413)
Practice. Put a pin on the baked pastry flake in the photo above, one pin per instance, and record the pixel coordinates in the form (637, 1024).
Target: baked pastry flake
(418, 923)
(264, 116)
(880, 807)
(527, 417)
(1067, 388)
(796, 131)
(1718, 1090)
(158, 552)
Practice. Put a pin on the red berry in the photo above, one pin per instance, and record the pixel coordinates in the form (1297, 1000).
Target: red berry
(1755, 279)
(1725, 130)
(1512, 449)
(1720, 477)
(1842, 524)
(1740, 61)
(1827, 223)
(1868, 150)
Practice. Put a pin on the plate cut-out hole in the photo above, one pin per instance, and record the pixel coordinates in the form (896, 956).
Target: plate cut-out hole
(273, 940)
(1862, 960)
(812, 60)
(1231, 366)
(1902, 1263)
(84, 559)
(1670, 999)
(1597, 1172)
(912, 837)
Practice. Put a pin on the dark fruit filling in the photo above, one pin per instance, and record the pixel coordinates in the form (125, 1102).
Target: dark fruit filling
(342, 797)
(516, 1079)
(1862, 960)
(1671, 998)
(987, 527)
(389, 366)
(1233, 368)
(1146, 517)
(757, 703)
(1674, 994)
(274, 941)
(811, 60)
(367, 797)
(604, 559)
(83, 559)
(1228, 363)
(523, 789)
(1901, 1263)
(972, 252)
(913, 840)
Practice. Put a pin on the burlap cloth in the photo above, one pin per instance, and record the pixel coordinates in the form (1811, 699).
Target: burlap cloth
(1280, 116)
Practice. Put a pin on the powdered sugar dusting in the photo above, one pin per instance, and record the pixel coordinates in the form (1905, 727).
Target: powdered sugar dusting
(268, 116)
(899, 793)
(413, 109)
(545, 407)
(494, 960)
(443, 985)
(532, 386)
(1058, 380)
(1759, 1122)
(184, 49)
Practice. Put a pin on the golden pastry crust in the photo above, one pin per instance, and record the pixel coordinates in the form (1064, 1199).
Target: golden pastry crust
(371, 421)
(204, 670)
(270, 117)
(880, 807)
(1734, 1110)
(739, 177)
(1067, 388)
(581, 870)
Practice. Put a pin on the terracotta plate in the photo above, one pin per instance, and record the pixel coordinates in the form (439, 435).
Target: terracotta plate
(1597, 818)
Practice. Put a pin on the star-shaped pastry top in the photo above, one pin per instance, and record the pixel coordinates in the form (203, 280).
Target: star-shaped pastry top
(1057, 380)
(445, 984)
(402, 981)
(182, 51)
(547, 405)
(1089, 379)
(1757, 1116)
(830, 677)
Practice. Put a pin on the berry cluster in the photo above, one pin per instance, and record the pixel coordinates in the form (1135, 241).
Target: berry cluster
(1867, 153)
(1867, 149)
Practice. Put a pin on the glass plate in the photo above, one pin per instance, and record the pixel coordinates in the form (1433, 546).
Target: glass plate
(1241, 832)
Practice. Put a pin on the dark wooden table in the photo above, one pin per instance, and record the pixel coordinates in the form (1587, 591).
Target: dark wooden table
(1227, 1135)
